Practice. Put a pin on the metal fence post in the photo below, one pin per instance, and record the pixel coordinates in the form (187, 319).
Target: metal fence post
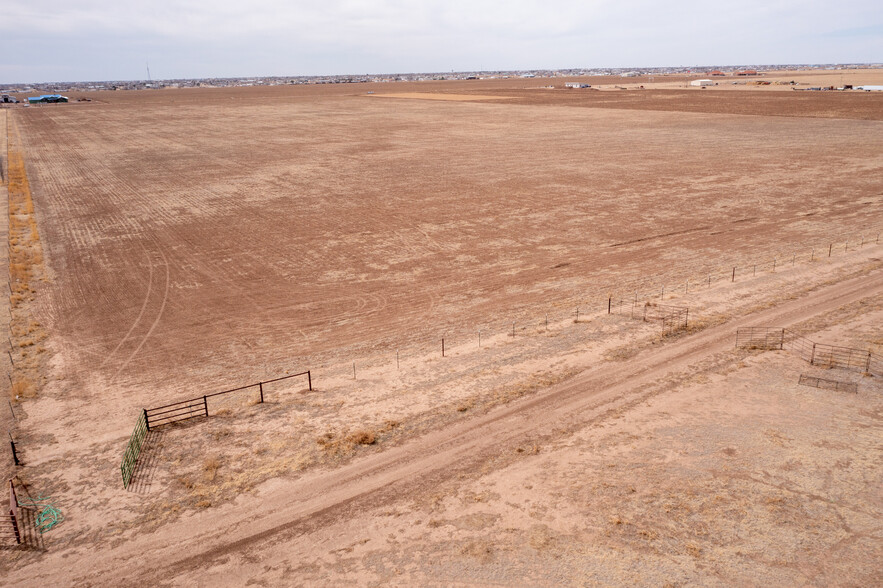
(782, 340)
(310, 379)
(812, 357)
(146, 420)
(205, 404)
(260, 387)
(14, 453)
(868, 364)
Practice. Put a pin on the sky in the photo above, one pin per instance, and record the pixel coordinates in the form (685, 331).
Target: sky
(97, 40)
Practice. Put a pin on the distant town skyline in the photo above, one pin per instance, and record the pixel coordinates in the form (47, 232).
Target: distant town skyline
(97, 40)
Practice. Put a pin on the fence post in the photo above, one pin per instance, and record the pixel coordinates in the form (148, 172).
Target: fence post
(146, 420)
(782, 341)
(479, 338)
(774, 263)
(686, 317)
(310, 379)
(831, 246)
(868, 364)
(443, 346)
(14, 512)
(812, 255)
(812, 358)
(513, 328)
(577, 314)
(14, 453)
(734, 275)
(205, 404)
(260, 387)
(662, 296)
(609, 302)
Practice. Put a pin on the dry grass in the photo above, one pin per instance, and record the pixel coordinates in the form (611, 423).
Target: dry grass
(22, 388)
(25, 268)
(362, 437)
(346, 442)
(210, 468)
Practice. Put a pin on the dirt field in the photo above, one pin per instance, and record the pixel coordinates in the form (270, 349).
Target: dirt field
(197, 240)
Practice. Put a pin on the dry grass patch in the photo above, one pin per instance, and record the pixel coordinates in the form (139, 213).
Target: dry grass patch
(210, 468)
(25, 267)
(22, 388)
(346, 442)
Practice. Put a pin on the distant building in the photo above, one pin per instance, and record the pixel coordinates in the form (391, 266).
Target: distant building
(870, 88)
(702, 83)
(717, 73)
(576, 85)
(47, 99)
(747, 72)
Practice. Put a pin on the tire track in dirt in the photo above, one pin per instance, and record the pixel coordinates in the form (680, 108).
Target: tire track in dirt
(458, 450)
(138, 318)
(155, 322)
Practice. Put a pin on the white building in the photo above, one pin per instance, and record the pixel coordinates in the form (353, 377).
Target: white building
(702, 83)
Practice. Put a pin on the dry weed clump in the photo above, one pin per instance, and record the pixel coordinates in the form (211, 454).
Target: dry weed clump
(346, 442)
(210, 468)
(362, 437)
(22, 388)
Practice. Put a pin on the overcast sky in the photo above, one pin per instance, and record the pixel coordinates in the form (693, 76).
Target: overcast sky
(83, 40)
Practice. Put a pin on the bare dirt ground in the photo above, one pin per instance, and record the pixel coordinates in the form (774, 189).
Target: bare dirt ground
(198, 240)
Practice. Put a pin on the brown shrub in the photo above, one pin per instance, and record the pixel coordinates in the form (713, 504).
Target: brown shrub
(210, 468)
(362, 437)
(22, 388)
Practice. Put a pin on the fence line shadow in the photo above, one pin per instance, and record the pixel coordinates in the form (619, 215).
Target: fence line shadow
(146, 465)
(30, 534)
(31, 537)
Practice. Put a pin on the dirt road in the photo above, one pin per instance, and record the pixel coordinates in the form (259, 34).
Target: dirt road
(256, 526)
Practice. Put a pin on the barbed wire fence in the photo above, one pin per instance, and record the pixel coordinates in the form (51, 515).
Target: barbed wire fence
(596, 301)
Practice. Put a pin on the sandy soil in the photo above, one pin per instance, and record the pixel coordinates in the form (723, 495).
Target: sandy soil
(200, 240)
(429, 96)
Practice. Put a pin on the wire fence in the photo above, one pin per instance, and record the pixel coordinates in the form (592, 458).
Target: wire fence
(837, 385)
(133, 449)
(10, 527)
(152, 418)
(623, 298)
(819, 354)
